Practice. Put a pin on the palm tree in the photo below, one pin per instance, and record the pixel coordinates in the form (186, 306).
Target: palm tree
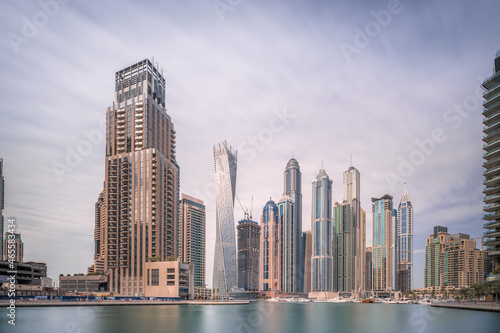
(479, 290)
(464, 293)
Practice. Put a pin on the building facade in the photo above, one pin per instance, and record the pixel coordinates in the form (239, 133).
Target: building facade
(248, 255)
(491, 129)
(368, 268)
(452, 260)
(141, 187)
(292, 228)
(343, 250)
(270, 250)
(192, 236)
(352, 188)
(169, 279)
(306, 260)
(405, 243)
(290, 243)
(225, 272)
(433, 249)
(383, 247)
(322, 259)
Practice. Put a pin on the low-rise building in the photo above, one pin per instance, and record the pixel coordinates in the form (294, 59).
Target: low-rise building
(82, 283)
(170, 279)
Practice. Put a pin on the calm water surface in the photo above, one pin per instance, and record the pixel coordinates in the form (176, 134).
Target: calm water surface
(256, 317)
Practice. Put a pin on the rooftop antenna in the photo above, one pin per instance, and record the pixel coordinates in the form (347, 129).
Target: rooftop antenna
(321, 164)
(251, 208)
(351, 161)
(292, 153)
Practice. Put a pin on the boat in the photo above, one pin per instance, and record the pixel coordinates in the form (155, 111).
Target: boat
(367, 300)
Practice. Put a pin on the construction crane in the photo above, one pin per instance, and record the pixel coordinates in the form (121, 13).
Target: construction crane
(246, 213)
(482, 241)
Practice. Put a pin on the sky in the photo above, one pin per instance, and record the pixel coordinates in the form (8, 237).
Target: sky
(394, 83)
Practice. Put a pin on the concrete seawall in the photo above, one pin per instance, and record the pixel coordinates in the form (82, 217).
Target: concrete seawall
(478, 307)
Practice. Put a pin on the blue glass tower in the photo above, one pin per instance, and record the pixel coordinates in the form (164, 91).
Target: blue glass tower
(322, 259)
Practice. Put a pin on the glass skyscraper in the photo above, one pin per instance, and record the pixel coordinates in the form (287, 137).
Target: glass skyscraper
(383, 247)
(138, 209)
(405, 243)
(491, 129)
(292, 228)
(225, 273)
(290, 243)
(358, 238)
(343, 248)
(270, 251)
(322, 259)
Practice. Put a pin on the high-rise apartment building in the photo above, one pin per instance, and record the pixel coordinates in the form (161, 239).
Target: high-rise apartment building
(99, 233)
(433, 249)
(351, 182)
(248, 254)
(192, 220)
(322, 259)
(290, 243)
(270, 248)
(2, 202)
(453, 261)
(306, 260)
(383, 249)
(225, 272)
(405, 243)
(343, 250)
(292, 228)
(140, 205)
(368, 268)
(491, 129)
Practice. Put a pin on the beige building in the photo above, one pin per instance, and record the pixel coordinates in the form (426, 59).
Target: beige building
(137, 212)
(452, 260)
(13, 248)
(270, 249)
(169, 279)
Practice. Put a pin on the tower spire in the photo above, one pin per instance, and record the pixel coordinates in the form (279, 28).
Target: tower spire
(350, 163)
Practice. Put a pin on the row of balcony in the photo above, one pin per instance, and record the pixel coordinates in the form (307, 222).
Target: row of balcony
(491, 225)
(492, 233)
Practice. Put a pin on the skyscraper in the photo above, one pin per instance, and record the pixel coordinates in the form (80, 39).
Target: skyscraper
(293, 228)
(248, 254)
(270, 250)
(141, 187)
(492, 171)
(368, 269)
(99, 235)
(322, 259)
(2, 204)
(405, 243)
(225, 272)
(290, 243)
(343, 250)
(192, 236)
(383, 244)
(352, 195)
(306, 261)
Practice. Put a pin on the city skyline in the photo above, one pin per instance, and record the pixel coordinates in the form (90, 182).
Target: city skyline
(69, 89)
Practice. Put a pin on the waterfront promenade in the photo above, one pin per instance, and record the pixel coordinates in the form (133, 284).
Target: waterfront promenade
(476, 306)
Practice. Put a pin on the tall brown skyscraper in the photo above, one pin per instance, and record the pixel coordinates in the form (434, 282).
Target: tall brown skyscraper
(138, 209)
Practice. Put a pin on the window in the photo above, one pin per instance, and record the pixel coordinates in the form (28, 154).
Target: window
(171, 277)
(170, 270)
(155, 277)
